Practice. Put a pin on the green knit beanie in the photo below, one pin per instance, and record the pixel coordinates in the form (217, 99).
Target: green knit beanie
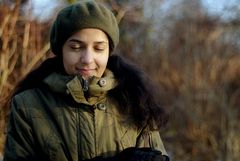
(85, 14)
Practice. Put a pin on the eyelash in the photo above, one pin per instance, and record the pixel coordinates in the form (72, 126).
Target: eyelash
(76, 47)
(99, 49)
(82, 47)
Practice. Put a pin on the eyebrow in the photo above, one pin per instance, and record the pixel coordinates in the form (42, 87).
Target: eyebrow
(82, 42)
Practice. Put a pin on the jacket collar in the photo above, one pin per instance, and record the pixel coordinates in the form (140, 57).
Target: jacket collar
(82, 91)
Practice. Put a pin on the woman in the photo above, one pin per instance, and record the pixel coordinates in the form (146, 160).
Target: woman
(84, 104)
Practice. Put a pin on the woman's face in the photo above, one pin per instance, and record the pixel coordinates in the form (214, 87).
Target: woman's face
(86, 53)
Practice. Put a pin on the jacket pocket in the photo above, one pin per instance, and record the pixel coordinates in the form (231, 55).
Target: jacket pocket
(151, 139)
(52, 145)
(129, 138)
(56, 150)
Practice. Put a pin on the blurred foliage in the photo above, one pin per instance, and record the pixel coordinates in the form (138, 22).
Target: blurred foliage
(23, 45)
(194, 59)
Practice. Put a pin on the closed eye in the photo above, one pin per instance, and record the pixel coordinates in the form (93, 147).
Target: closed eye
(76, 46)
(100, 47)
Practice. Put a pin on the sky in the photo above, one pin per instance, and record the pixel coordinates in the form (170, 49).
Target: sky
(43, 8)
(221, 7)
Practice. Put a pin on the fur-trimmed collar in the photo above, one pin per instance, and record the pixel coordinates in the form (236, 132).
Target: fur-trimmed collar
(97, 88)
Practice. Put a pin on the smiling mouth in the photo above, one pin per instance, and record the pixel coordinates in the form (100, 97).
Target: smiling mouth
(85, 72)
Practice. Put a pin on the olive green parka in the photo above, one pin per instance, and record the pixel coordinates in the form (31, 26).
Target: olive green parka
(61, 122)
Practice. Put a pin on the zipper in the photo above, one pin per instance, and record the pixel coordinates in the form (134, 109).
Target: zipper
(79, 141)
(84, 82)
(78, 133)
(95, 132)
(85, 85)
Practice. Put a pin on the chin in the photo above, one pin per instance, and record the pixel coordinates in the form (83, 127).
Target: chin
(87, 76)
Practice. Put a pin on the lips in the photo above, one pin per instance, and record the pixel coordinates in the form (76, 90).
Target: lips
(85, 71)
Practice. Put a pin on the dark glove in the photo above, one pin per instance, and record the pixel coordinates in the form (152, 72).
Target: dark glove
(135, 154)
(139, 154)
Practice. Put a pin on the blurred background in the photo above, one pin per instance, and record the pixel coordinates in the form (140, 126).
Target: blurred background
(189, 48)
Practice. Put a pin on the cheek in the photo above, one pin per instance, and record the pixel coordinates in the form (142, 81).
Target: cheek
(103, 62)
(69, 60)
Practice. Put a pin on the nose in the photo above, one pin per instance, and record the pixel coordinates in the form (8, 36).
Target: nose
(87, 57)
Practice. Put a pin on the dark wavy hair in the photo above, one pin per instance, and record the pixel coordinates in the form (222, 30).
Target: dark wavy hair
(137, 98)
(136, 94)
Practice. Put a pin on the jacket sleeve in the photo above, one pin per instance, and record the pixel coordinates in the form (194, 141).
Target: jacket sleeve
(19, 142)
(151, 139)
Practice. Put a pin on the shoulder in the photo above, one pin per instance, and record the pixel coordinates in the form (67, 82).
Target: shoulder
(22, 100)
(20, 104)
(28, 94)
(36, 103)
(31, 97)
